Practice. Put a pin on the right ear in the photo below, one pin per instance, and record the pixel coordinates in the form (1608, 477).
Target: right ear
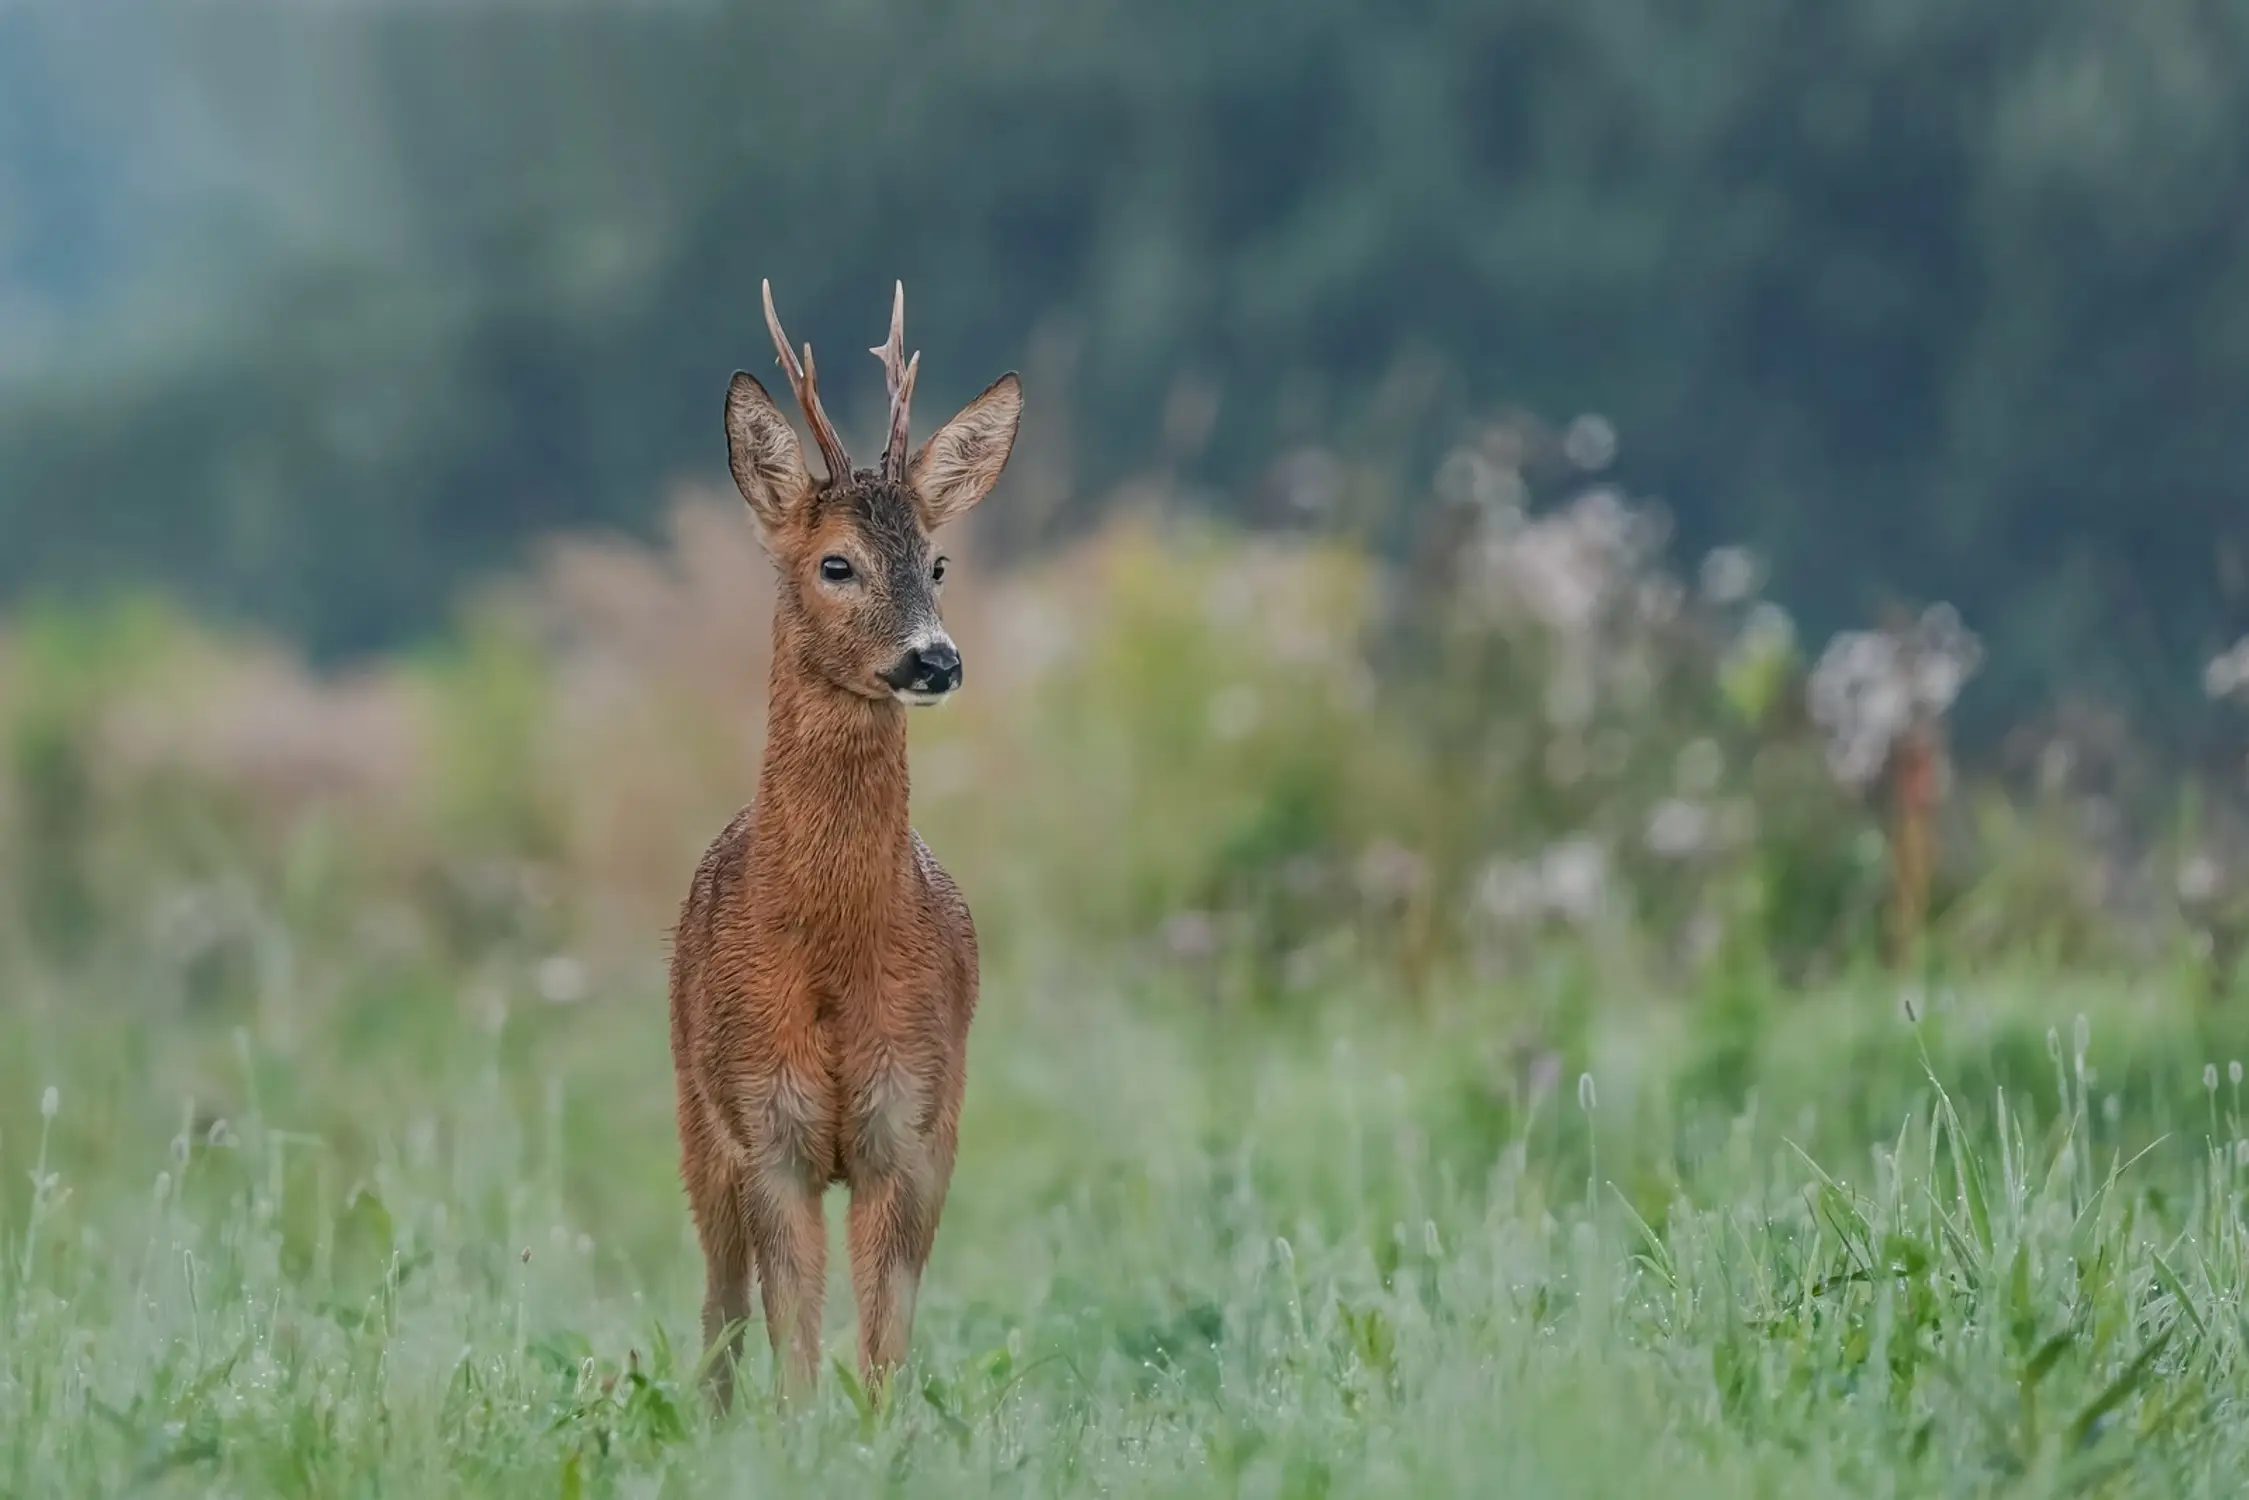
(762, 450)
(962, 459)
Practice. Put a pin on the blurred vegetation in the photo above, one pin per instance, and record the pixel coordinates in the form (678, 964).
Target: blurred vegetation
(1260, 762)
(1432, 1029)
(311, 312)
(1462, 994)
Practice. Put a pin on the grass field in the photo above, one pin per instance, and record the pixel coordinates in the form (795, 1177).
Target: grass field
(1762, 1245)
(1421, 1054)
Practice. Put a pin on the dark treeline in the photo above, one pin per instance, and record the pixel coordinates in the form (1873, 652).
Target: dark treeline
(310, 310)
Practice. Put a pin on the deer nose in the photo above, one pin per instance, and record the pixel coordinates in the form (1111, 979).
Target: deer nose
(934, 668)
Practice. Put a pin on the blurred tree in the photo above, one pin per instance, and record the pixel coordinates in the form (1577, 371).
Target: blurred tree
(311, 310)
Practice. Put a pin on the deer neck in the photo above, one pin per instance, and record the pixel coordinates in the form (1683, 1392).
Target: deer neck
(832, 796)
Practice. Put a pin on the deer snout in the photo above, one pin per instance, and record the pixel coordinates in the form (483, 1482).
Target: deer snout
(926, 672)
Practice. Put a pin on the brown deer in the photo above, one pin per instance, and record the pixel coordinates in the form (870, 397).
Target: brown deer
(824, 970)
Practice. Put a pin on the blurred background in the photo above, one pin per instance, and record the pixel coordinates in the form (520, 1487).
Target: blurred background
(311, 312)
(1760, 485)
(1694, 550)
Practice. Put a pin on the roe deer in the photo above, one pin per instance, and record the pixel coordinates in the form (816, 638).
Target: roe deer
(824, 970)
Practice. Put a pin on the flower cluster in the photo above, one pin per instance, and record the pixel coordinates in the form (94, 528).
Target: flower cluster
(1871, 686)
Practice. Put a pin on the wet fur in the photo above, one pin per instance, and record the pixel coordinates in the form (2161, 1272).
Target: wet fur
(824, 970)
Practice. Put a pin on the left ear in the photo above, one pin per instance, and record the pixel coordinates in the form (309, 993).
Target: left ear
(962, 459)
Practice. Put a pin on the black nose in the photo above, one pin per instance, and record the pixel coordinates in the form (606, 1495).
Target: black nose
(928, 669)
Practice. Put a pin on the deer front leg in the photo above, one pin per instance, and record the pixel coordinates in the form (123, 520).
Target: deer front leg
(790, 1241)
(723, 1228)
(891, 1227)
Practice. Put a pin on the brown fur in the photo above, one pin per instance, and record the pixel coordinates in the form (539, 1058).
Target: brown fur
(824, 970)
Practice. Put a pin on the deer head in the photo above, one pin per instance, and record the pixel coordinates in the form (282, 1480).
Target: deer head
(860, 576)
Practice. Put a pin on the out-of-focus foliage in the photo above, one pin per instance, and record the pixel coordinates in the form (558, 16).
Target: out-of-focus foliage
(313, 310)
(1262, 762)
(1395, 972)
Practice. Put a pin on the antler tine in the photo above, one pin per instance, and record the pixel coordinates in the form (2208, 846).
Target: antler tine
(804, 379)
(898, 372)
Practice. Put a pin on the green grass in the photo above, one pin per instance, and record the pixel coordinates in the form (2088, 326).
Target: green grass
(419, 1236)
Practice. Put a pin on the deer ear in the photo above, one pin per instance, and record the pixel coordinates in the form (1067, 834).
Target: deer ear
(962, 459)
(762, 450)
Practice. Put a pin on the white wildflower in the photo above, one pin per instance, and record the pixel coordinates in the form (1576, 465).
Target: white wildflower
(2198, 879)
(1575, 874)
(1590, 442)
(1678, 828)
(1729, 575)
(561, 980)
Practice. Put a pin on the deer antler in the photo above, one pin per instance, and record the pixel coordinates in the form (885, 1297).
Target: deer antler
(898, 372)
(804, 379)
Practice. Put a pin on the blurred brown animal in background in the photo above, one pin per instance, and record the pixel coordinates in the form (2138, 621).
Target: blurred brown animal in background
(824, 970)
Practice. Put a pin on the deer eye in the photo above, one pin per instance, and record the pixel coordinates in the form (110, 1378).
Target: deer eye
(835, 569)
(937, 571)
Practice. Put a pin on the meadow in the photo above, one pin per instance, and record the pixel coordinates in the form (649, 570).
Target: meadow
(1440, 1036)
